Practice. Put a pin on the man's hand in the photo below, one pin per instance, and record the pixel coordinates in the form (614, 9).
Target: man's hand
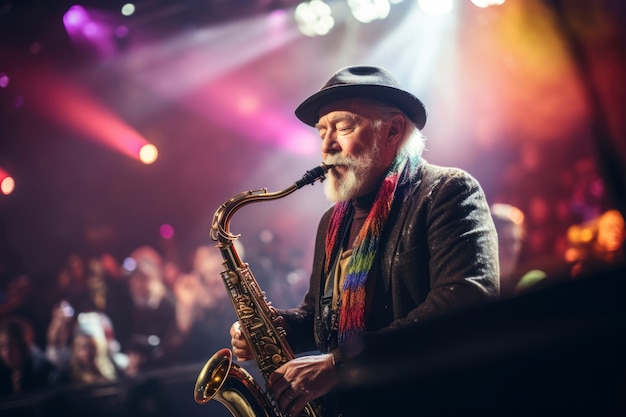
(302, 380)
(241, 350)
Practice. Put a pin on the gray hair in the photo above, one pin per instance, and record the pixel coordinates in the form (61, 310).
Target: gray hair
(414, 141)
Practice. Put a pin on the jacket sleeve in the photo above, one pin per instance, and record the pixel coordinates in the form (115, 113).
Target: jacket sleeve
(460, 261)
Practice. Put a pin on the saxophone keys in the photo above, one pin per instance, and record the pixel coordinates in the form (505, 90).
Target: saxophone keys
(256, 323)
(247, 312)
(233, 277)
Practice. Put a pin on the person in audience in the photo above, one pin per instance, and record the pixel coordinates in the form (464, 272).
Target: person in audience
(605, 248)
(203, 310)
(509, 222)
(23, 366)
(59, 335)
(109, 295)
(23, 298)
(71, 285)
(90, 361)
(154, 337)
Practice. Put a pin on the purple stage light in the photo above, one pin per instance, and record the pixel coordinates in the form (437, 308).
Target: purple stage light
(75, 17)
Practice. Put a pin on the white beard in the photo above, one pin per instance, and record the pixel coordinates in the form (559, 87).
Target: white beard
(356, 179)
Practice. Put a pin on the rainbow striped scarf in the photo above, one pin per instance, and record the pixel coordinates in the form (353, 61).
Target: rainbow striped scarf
(352, 304)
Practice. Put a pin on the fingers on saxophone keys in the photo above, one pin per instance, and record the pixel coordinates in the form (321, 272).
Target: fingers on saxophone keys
(289, 395)
(295, 406)
(242, 354)
(289, 402)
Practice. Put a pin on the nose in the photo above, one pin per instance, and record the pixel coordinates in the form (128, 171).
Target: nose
(329, 144)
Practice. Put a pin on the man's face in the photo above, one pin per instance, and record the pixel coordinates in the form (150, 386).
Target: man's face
(352, 142)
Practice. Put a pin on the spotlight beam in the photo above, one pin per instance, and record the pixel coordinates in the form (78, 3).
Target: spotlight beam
(66, 103)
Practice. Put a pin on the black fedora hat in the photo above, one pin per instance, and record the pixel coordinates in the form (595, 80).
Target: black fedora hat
(362, 82)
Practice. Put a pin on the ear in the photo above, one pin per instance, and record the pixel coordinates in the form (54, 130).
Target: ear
(397, 126)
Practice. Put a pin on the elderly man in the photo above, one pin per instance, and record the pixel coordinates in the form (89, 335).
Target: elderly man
(405, 241)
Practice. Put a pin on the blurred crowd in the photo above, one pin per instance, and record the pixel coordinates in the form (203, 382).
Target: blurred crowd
(102, 319)
(590, 247)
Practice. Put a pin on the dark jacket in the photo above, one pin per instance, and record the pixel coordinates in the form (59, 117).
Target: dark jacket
(438, 255)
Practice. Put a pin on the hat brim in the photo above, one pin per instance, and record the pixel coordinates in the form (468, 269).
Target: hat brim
(309, 110)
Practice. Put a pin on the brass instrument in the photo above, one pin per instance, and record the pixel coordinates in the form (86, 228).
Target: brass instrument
(220, 378)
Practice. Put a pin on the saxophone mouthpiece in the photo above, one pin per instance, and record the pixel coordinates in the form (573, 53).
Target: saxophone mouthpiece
(317, 173)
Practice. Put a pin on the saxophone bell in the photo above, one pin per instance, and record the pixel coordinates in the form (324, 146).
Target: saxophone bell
(232, 386)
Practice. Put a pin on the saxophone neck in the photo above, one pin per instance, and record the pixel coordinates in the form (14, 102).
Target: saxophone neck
(220, 226)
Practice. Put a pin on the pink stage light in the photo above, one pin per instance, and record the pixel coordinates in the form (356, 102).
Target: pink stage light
(90, 30)
(7, 183)
(66, 103)
(75, 18)
(167, 231)
(4, 80)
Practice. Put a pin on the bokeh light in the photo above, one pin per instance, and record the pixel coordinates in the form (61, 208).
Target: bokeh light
(128, 9)
(487, 3)
(366, 11)
(7, 185)
(167, 231)
(148, 154)
(314, 18)
(436, 7)
(75, 17)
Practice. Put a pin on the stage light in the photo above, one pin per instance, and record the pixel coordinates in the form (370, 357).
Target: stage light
(435, 6)
(75, 17)
(148, 153)
(4, 80)
(366, 11)
(128, 9)
(167, 231)
(487, 3)
(91, 29)
(66, 102)
(129, 264)
(314, 18)
(277, 19)
(7, 183)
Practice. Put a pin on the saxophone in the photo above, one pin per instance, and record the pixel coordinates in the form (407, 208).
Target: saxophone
(220, 378)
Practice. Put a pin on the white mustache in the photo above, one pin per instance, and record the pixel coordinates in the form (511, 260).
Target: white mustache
(339, 160)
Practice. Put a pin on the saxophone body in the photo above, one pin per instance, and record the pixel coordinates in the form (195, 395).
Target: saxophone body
(221, 379)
